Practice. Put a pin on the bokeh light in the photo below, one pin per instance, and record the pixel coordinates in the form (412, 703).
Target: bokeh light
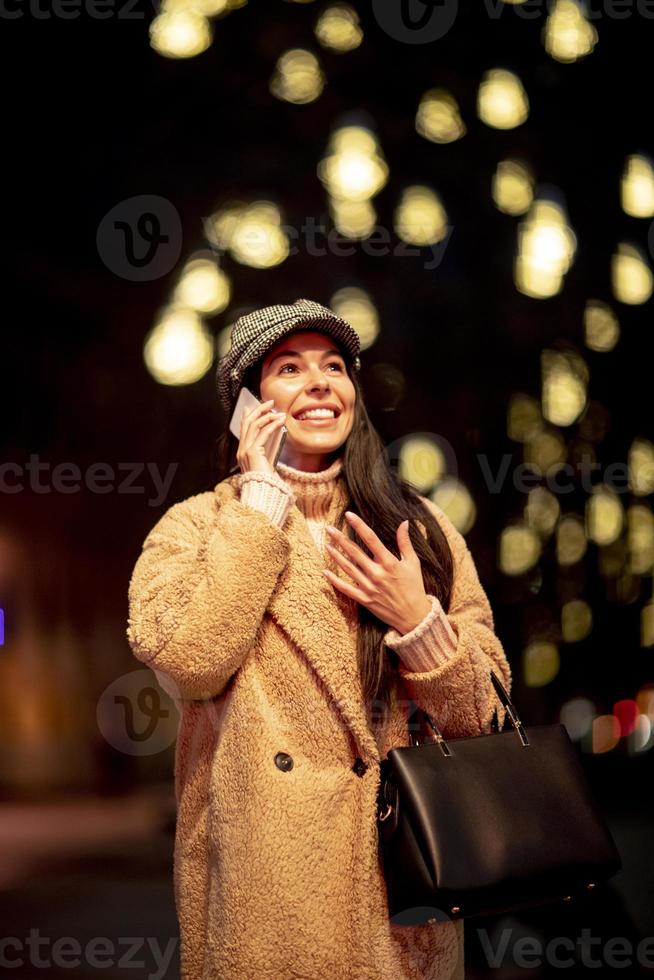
(605, 517)
(298, 77)
(421, 462)
(576, 620)
(637, 187)
(564, 380)
(502, 101)
(601, 326)
(546, 250)
(571, 542)
(180, 33)
(540, 663)
(640, 462)
(179, 349)
(338, 28)
(520, 549)
(513, 187)
(568, 35)
(438, 118)
(454, 498)
(356, 307)
(631, 276)
(420, 218)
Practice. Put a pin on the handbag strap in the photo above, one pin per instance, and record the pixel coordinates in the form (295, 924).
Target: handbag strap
(506, 702)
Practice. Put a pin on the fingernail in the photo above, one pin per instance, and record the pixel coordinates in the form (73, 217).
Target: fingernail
(349, 514)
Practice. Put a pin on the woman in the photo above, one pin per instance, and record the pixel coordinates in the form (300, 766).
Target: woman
(295, 653)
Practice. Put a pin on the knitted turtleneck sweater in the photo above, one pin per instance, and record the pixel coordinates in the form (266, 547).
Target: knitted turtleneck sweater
(316, 495)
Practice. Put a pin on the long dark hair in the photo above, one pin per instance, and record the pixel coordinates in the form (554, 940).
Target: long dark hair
(383, 500)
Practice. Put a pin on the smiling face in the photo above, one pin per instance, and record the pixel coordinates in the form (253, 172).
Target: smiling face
(305, 370)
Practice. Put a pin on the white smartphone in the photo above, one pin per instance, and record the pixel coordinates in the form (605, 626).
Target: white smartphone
(247, 401)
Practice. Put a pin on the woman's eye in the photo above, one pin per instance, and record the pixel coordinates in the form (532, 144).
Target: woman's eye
(335, 364)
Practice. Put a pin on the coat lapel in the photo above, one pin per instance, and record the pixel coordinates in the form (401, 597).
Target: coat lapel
(305, 606)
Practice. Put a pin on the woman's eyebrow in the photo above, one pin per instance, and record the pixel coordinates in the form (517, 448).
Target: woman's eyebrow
(295, 353)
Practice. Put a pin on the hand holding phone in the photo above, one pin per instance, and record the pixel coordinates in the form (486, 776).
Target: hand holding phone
(261, 433)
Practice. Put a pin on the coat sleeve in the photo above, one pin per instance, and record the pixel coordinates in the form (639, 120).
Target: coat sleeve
(459, 693)
(199, 590)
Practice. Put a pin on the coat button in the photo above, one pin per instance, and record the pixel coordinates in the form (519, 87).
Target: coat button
(359, 766)
(283, 761)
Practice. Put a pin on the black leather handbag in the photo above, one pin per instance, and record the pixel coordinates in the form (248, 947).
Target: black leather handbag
(488, 824)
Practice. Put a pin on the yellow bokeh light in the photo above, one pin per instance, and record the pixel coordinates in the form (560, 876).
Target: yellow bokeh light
(455, 500)
(252, 233)
(520, 549)
(357, 308)
(208, 8)
(631, 275)
(513, 187)
(605, 516)
(540, 663)
(568, 35)
(576, 620)
(564, 379)
(339, 29)
(438, 118)
(181, 33)
(354, 169)
(421, 462)
(420, 218)
(571, 541)
(354, 219)
(203, 287)
(179, 349)
(502, 101)
(641, 467)
(298, 77)
(542, 511)
(647, 625)
(220, 227)
(546, 451)
(524, 418)
(546, 249)
(601, 327)
(637, 187)
(640, 539)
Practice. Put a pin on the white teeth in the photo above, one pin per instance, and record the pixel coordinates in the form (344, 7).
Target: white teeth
(317, 413)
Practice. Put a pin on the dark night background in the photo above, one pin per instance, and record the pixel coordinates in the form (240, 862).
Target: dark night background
(92, 116)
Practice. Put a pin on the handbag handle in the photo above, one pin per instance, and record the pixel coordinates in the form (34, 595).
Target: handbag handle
(506, 702)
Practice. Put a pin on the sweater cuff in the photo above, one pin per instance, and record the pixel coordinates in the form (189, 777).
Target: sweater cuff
(268, 493)
(428, 645)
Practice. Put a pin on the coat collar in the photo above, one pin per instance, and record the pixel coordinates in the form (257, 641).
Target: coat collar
(306, 607)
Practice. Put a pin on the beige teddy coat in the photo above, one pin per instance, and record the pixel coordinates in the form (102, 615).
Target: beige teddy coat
(276, 871)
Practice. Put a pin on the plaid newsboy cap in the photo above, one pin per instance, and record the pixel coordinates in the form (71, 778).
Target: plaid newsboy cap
(256, 332)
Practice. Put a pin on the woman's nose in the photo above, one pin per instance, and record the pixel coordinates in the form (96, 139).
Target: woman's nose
(318, 379)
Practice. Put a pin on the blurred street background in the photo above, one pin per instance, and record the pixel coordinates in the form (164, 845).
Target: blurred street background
(472, 187)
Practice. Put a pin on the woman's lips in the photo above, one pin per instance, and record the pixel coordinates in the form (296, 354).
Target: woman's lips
(317, 421)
